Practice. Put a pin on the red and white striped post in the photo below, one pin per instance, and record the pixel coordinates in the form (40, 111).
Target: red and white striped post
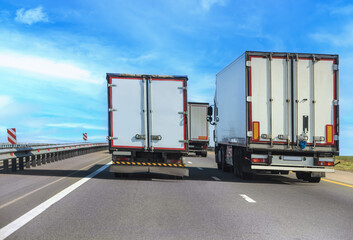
(85, 136)
(11, 135)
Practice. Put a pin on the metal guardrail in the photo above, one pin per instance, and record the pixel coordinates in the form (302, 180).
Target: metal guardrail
(15, 159)
(21, 145)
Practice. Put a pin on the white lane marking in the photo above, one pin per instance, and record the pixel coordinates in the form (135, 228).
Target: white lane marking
(38, 189)
(189, 162)
(200, 168)
(19, 222)
(250, 200)
(216, 178)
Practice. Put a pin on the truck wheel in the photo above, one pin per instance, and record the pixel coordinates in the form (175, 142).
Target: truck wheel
(235, 162)
(314, 179)
(203, 154)
(247, 176)
(299, 175)
(219, 166)
(225, 166)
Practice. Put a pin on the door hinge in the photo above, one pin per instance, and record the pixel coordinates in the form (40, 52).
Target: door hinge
(185, 113)
(183, 141)
(112, 138)
(249, 98)
(249, 134)
(335, 67)
(156, 137)
(248, 63)
(335, 137)
(183, 88)
(111, 85)
(335, 102)
(283, 137)
(112, 109)
(140, 137)
(266, 136)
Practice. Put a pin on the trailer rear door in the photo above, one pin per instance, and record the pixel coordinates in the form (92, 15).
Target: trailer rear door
(198, 125)
(167, 118)
(127, 102)
(147, 112)
(292, 99)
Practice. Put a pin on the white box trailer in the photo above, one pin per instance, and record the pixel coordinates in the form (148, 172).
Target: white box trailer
(147, 123)
(198, 128)
(278, 112)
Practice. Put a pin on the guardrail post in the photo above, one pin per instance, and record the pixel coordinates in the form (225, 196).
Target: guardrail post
(43, 160)
(56, 156)
(28, 162)
(20, 163)
(14, 164)
(39, 160)
(48, 157)
(52, 159)
(34, 160)
(6, 165)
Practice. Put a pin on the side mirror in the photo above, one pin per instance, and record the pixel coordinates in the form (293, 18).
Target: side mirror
(209, 111)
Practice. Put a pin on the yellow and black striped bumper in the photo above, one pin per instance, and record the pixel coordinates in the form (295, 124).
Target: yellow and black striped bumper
(174, 169)
(149, 164)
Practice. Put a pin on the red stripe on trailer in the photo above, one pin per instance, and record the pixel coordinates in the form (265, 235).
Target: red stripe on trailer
(11, 135)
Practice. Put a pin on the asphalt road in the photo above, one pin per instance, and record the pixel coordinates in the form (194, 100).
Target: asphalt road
(209, 204)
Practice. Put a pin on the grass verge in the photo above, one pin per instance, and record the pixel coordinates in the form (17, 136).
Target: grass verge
(346, 163)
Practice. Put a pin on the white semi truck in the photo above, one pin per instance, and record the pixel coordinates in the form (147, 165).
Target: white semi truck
(198, 128)
(278, 112)
(147, 123)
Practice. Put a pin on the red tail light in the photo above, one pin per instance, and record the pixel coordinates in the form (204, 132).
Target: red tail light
(324, 163)
(122, 159)
(259, 160)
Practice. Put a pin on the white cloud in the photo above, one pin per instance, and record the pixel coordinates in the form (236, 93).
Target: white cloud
(207, 4)
(341, 39)
(4, 101)
(31, 16)
(345, 10)
(45, 66)
(76, 125)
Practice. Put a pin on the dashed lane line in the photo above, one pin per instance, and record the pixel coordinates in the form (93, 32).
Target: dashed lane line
(248, 199)
(27, 217)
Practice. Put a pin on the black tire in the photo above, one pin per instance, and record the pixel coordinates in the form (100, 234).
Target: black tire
(314, 179)
(247, 176)
(219, 166)
(235, 162)
(299, 175)
(243, 174)
(203, 154)
(225, 166)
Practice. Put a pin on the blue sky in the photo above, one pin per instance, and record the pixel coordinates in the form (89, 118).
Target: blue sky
(54, 54)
